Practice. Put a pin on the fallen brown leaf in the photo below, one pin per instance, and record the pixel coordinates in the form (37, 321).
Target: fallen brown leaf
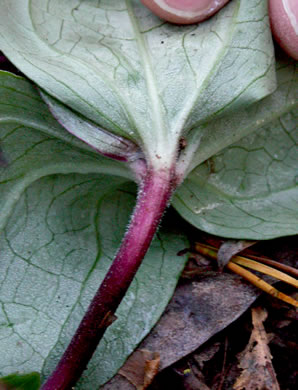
(197, 311)
(119, 382)
(229, 249)
(141, 368)
(206, 354)
(255, 361)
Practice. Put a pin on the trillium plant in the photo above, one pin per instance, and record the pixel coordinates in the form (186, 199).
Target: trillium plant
(199, 115)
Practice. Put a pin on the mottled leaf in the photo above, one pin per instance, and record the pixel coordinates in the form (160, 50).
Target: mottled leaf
(123, 68)
(249, 189)
(63, 214)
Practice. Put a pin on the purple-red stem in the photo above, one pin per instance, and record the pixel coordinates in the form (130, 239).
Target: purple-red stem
(154, 195)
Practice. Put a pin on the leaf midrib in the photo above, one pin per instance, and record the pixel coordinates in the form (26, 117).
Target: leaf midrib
(193, 101)
(153, 95)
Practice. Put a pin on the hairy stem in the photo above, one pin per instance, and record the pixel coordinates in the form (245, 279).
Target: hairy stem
(154, 194)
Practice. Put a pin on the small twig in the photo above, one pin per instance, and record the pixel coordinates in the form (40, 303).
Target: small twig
(234, 266)
(265, 269)
(222, 376)
(276, 264)
(261, 284)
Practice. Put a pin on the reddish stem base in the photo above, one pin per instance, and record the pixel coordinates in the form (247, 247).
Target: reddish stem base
(153, 198)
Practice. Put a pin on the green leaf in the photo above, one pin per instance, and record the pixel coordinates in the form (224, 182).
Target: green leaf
(53, 258)
(249, 189)
(31, 148)
(124, 69)
(62, 217)
(63, 214)
(21, 382)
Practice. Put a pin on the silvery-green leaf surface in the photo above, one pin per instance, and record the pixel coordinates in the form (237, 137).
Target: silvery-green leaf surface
(63, 214)
(34, 145)
(124, 69)
(249, 190)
